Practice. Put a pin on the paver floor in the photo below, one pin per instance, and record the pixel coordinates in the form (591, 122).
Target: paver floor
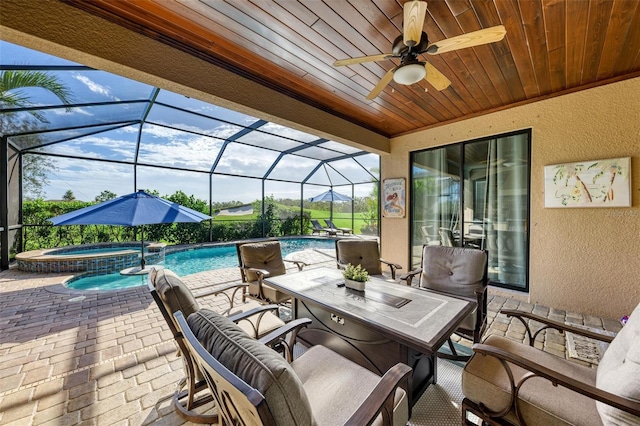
(108, 358)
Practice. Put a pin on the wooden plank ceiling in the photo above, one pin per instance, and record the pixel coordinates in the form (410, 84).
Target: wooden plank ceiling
(551, 47)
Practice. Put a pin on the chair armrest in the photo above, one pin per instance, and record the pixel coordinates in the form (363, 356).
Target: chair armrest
(392, 266)
(223, 290)
(257, 310)
(381, 398)
(260, 273)
(299, 263)
(279, 336)
(548, 323)
(557, 378)
(408, 277)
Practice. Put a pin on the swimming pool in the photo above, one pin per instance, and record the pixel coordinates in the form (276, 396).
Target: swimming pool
(190, 261)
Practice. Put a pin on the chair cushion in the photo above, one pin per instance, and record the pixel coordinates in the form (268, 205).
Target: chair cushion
(484, 380)
(360, 252)
(322, 371)
(256, 364)
(454, 270)
(269, 293)
(174, 293)
(263, 255)
(619, 371)
(268, 321)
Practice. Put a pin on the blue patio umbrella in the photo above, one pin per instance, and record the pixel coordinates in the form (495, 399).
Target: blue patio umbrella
(332, 196)
(136, 209)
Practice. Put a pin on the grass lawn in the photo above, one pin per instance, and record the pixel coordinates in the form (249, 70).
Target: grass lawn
(342, 220)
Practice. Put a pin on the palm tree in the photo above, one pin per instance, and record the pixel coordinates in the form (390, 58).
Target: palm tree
(12, 96)
(11, 83)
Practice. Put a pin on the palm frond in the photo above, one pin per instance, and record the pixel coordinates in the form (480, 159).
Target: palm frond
(12, 80)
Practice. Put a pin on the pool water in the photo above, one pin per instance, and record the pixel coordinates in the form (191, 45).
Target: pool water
(95, 250)
(191, 261)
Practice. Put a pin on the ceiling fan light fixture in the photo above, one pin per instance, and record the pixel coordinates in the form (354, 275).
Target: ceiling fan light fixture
(409, 74)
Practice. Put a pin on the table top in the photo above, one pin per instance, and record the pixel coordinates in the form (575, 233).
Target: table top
(415, 317)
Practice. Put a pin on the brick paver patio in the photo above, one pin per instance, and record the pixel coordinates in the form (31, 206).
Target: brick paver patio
(108, 358)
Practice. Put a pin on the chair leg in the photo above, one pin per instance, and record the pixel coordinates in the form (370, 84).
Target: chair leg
(453, 356)
(185, 409)
(469, 406)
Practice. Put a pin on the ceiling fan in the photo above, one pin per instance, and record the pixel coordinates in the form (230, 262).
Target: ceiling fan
(414, 42)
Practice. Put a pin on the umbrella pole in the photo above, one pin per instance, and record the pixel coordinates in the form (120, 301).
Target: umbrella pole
(331, 210)
(142, 247)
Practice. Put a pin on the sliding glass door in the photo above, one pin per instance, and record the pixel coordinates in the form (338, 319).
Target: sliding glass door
(476, 194)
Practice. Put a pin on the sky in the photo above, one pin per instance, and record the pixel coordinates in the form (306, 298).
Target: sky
(179, 132)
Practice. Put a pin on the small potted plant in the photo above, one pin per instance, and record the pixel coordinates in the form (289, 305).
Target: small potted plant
(355, 277)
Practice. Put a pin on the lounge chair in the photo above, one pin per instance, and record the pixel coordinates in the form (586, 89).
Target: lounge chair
(330, 224)
(256, 321)
(317, 228)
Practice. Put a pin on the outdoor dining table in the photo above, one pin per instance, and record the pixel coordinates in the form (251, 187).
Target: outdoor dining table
(385, 324)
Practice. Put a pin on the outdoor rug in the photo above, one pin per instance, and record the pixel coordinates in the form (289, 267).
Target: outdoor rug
(440, 403)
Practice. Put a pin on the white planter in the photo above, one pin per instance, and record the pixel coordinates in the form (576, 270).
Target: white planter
(354, 285)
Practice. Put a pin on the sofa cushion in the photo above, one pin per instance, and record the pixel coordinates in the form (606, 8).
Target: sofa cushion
(322, 371)
(619, 371)
(256, 364)
(484, 380)
(174, 293)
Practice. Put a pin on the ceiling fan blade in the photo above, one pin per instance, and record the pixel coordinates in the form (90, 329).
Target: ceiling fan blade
(361, 59)
(436, 78)
(381, 84)
(414, 14)
(476, 38)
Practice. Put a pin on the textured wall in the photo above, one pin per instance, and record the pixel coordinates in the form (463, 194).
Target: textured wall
(587, 259)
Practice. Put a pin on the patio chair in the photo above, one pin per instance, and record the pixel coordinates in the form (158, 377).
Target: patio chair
(330, 224)
(508, 382)
(317, 228)
(258, 260)
(253, 385)
(365, 253)
(446, 237)
(460, 272)
(172, 295)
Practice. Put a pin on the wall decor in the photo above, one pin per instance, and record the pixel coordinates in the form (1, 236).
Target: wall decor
(393, 201)
(594, 183)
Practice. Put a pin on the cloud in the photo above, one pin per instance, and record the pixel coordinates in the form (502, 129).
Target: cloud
(95, 87)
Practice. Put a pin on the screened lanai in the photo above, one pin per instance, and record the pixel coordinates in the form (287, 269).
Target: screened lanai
(120, 135)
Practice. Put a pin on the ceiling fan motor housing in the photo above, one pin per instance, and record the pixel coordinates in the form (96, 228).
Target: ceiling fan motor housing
(400, 50)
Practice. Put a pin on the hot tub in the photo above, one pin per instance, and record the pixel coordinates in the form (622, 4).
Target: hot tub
(95, 259)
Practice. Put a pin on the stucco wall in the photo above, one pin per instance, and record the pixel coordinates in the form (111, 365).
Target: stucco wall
(585, 260)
